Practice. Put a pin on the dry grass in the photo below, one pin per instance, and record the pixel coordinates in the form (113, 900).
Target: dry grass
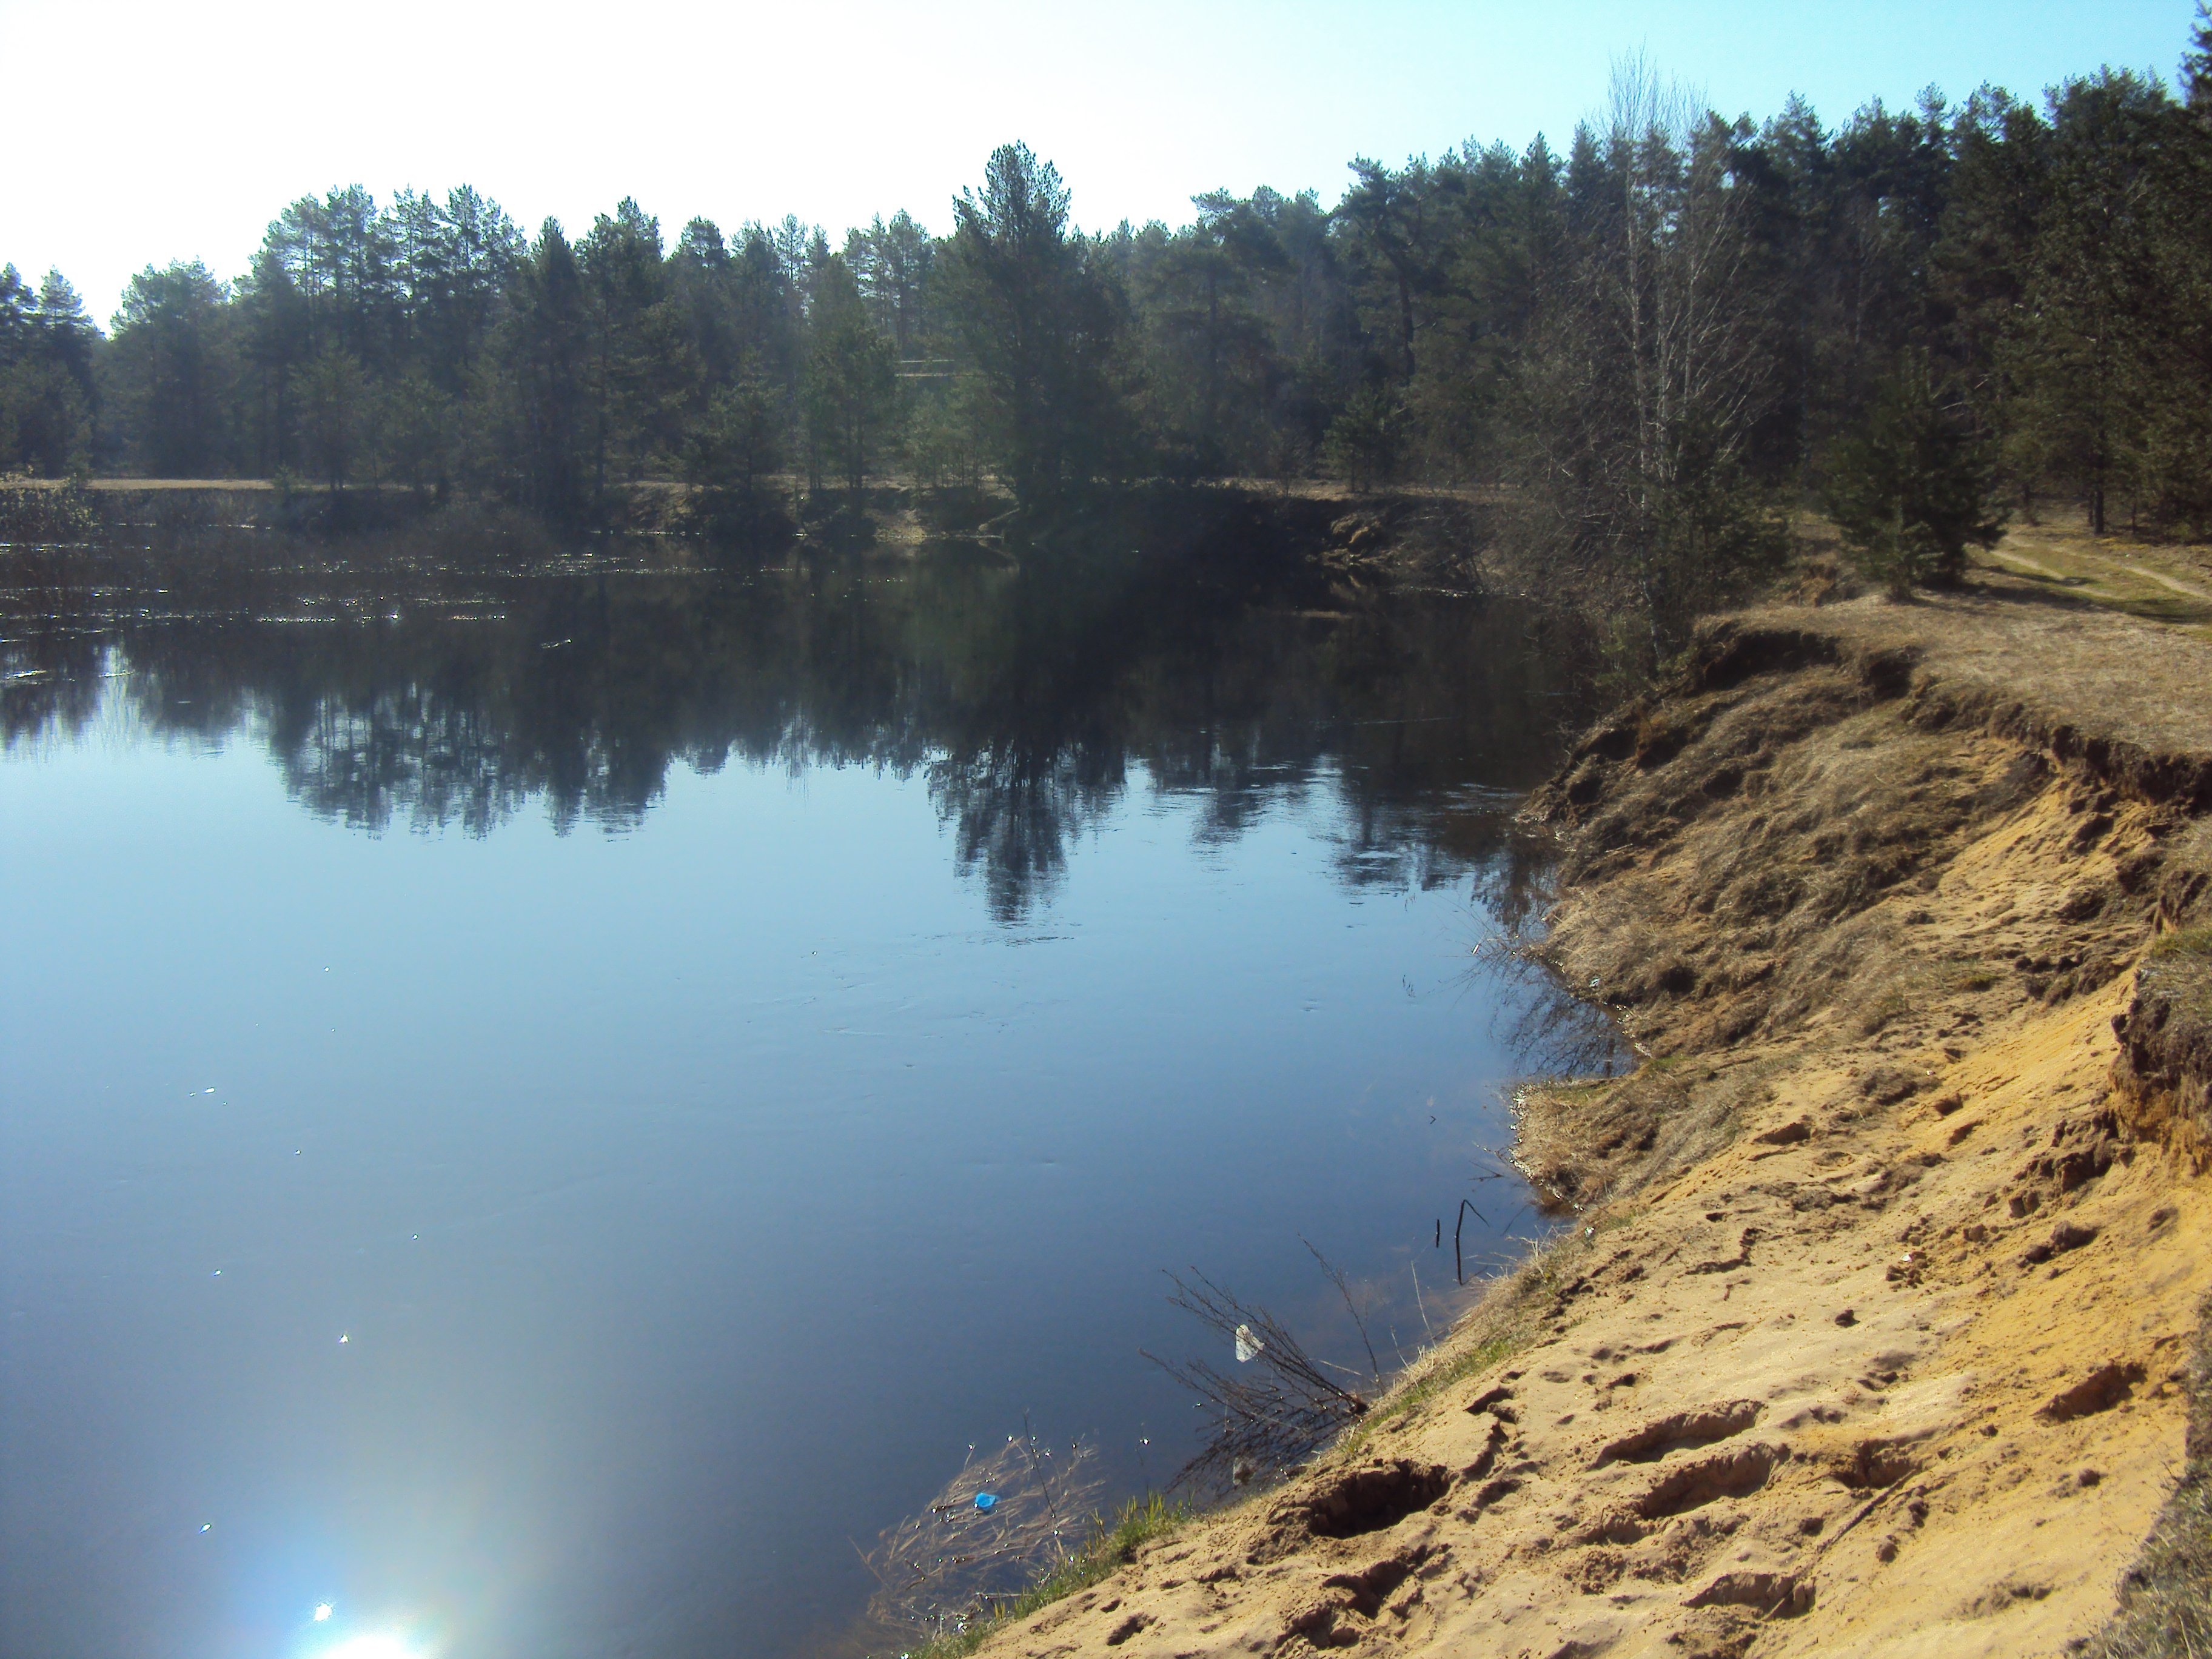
(2009, 642)
(944, 1569)
(1502, 1323)
(2166, 1598)
(2193, 941)
(1110, 1547)
(2159, 582)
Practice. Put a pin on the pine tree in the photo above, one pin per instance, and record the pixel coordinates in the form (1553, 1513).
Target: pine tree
(1911, 488)
(1038, 324)
(2196, 65)
(173, 371)
(850, 377)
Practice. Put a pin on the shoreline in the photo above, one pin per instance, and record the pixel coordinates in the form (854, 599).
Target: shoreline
(1874, 1332)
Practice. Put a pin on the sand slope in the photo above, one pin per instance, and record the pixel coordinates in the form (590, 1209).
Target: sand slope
(1871, 1332)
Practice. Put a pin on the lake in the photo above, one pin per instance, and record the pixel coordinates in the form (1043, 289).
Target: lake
(545, 1108)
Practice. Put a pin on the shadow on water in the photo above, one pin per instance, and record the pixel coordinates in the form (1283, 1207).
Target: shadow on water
(408, 692)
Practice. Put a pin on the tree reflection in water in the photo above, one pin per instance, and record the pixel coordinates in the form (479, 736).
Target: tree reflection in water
(402, 690)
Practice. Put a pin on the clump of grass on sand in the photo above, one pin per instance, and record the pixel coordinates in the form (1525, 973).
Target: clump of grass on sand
(1111, 1546)
(2185, 942)
(1500, 1325)
(1427, 1382)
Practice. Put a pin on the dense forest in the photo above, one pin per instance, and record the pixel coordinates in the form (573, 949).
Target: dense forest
(1649, 347)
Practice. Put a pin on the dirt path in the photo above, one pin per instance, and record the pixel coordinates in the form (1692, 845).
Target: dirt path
(2132, 567)
(1870, 1336)
(2139, 579)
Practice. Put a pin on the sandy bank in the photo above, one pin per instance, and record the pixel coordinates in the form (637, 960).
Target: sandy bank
(1872, 1334)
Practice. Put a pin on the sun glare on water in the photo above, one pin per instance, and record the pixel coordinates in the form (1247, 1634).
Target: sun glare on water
(376, 1646)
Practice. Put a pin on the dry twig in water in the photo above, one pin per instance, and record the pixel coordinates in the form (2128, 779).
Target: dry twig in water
(1273, 1418)
(952, 1563)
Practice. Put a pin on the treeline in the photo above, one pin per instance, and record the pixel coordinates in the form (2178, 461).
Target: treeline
(1653, 343)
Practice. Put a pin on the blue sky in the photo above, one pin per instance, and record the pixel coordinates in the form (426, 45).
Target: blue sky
(157, 132)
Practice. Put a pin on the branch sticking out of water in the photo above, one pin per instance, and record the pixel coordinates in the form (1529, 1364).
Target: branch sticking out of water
(1272, 1417)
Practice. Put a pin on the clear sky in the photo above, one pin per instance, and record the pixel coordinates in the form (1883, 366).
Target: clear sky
(144, 132)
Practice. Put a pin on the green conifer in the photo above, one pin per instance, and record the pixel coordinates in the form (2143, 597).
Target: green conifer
(1911, 488)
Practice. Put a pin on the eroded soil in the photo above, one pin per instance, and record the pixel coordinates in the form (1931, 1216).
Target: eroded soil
(1870, 1335)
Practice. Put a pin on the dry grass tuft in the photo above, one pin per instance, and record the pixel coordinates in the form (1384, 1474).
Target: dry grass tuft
(1110, 1547)
(2166, 1598)
(949, 1567)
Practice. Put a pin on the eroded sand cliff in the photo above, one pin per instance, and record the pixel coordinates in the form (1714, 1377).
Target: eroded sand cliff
(1873, 1331)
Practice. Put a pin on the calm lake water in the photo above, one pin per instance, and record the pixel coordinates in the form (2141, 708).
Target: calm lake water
(542, 1113)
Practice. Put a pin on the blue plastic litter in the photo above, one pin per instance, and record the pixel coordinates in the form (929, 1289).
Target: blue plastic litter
(987, 1501)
